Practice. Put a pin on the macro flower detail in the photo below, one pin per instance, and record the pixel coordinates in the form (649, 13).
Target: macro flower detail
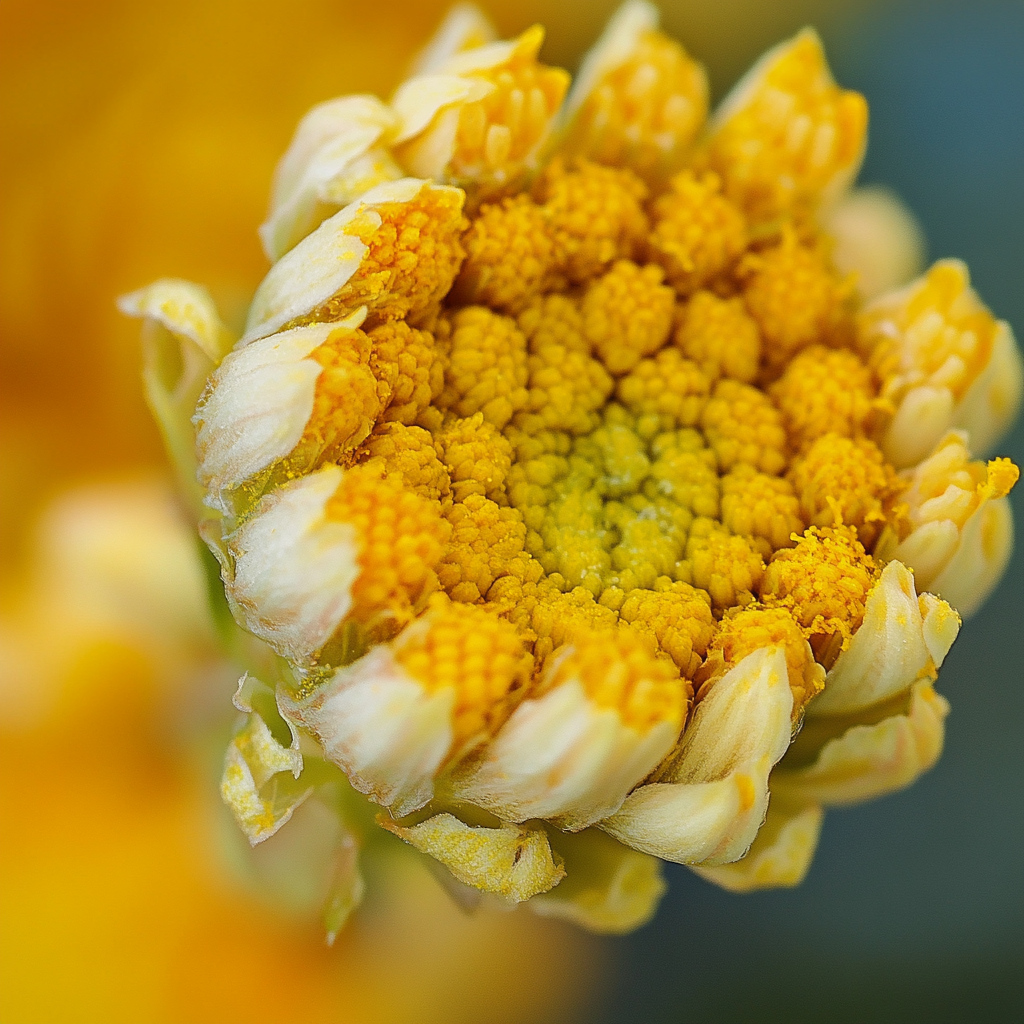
(586, 511)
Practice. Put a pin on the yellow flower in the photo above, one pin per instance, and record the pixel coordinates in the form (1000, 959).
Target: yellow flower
(568, 505)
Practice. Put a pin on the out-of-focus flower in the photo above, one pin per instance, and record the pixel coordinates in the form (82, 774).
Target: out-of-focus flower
(104, 723)
(575, 501)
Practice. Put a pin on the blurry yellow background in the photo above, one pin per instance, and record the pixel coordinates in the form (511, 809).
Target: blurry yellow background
(138, 141)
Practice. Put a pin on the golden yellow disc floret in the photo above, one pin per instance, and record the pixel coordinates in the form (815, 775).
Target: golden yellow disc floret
(825, 391)
(796, 298)
(401, 537)
(409, 362)
(596, 215)
(763, 508)
(627, 314)
(743, 427)
(478, 458)
(824, 582)
(478, 655)
(510, 255)
(727, 568)
(665, 392)
(487, 370)
(410, 452)
(619, 670)
(698, 234)
(719, 336)
(645, 112)
(844, 480)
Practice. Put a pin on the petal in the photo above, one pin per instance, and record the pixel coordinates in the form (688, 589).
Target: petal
(779, 857)
(260, 781)
(465, 27)
(511, 861)
(990, 405)
(382, 728)
(608, 887)
(890, 651)
(293, 568)
(563, 758)
(870, 760)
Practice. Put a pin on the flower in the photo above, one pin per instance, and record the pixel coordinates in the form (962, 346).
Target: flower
(584, 501)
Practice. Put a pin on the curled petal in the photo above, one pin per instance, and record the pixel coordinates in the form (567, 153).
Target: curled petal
(868, 761)
(320, 278)
(903, 638)
(779, 857)
(256, 407)
(261, 777)
(513, 862)
(293, 567)
(382, 727)
(962, 526)
(339, 152)
(564, 758)
(608, 887)
(712, 795)
(465, 27)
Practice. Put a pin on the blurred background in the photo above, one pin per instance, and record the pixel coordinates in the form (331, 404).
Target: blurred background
(138, 141)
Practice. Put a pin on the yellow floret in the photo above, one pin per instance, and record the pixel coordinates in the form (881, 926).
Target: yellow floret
(596, 214)
(720, 337)
(411, 453)
(744, 428)
(824, 581)
(627, 314)
(567, 386)
(401, 537)
(793, 137)
(413, 255)
(684, 471)
(476, 456)
(676, 616)
(619, 670)
(698, 234)
(487, 370)
(728, 568)
(825, 391)
(645, 112)
(510, 255)
(762, 508)
(347, 400)
(665, 392)
(475, 653)
(486, 544)
(756, 628)
(411, 365)
(796, 299)
(839, 480)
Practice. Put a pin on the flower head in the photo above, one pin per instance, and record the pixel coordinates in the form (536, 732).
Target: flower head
(569, 478)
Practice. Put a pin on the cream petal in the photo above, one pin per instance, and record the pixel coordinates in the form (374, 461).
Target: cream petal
(329, 149)
(260, 780)
(382, 727)
(294, 568)
(615, 46)
(923, 416)
(512, 862)
(465, 27)
(563, 758)
(608, 887)
(321, 264)
(990, 405)
(889, 652)
(419, 100)
(256, 407)
(870, 760)
(779, 857)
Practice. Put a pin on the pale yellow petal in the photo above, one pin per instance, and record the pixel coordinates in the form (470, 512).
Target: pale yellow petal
(465, 27)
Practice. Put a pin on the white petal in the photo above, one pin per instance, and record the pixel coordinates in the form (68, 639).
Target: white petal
(563, 758)
(465, 27)
(511, 862)
(780, 855)
(294, 568)
(889, 652)
(870, 760)
(321, 264)
(382, 728)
